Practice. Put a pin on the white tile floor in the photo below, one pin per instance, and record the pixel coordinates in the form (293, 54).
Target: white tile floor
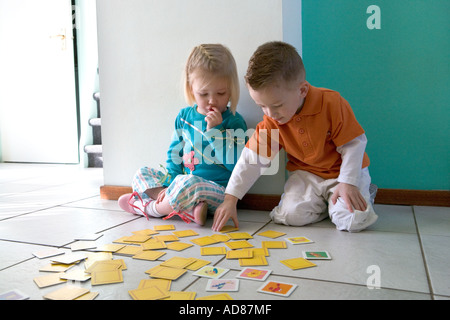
(45, 206)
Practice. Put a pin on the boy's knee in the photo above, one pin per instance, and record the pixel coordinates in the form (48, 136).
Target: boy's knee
(353, 221)
(297, 216)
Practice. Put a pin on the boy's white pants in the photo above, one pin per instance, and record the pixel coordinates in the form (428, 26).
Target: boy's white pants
(307, 199)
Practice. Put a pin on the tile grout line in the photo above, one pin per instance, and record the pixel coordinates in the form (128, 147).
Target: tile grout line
(427, 272)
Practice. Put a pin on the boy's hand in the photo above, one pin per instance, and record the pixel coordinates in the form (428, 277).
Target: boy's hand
(213, 118)
(224, 212)
(351, 196)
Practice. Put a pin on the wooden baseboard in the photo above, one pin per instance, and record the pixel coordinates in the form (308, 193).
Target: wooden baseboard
(266, 202)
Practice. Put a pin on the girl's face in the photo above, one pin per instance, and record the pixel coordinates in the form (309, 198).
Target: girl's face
(210, 92)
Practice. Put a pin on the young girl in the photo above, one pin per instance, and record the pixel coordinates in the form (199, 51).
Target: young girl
(208, 139)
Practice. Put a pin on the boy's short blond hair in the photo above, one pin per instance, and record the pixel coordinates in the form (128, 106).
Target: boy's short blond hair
(272, 62)
(212, 60)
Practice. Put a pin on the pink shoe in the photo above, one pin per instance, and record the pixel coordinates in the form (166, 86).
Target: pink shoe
(127, 203)
(124, 203)
(200, 212)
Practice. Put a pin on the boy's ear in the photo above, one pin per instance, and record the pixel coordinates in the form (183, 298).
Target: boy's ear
(303, 88)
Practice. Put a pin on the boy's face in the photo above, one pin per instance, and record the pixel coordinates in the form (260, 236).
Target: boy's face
(211, 92)
(279, 102)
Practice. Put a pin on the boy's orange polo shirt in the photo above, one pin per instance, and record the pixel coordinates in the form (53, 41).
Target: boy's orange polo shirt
(310, 138)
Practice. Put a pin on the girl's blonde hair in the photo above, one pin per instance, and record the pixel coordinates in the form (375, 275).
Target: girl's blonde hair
(212, 60)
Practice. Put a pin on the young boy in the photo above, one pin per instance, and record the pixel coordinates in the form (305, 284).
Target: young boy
(325, 146)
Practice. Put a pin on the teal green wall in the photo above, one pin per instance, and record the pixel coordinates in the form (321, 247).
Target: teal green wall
(396, 78)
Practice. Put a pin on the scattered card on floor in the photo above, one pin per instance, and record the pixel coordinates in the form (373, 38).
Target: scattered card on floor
(274, 244)
(271, 234)
(239, 254)
(185, 233)
(167, 273)
(41, 254)
(13, 295)
(299, 240)
(150, 293)
(316, 255)
(180, 295)
(76, 275)
(239, 235)
(228, 228)
(70, 258)
(49, 280)
(106, 277)
(66, 293)
(278, 288)
(164, 227)
(149, 255)
(254, 274)
(298, 263)
(240, 244)
(213, 251)
(222, 285)
(211, 272)
(204, 241)
(219, 296)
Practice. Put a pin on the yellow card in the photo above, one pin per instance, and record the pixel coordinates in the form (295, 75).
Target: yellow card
(106, 265)
(274, 244)
(197, 264)
(151, 293)
(66, 293)
(154, 245)
(109, 247)
(88, 296)
(213, 251)
(129, 250)
(271, 234)
(168, 273)
(163, 284)
(241, 244)
(298, 263)
(167, 238)
(180, 295)
(49, 280)
(255, 261)
(154, 269)
(60, 267)
(137, 238)
(164, 227)
(121, 240)
(204, 241)
(178, 262)
(148, 255)
(239, 235)
(221, 237)
(178, 246)
(97, 256)
(228, 229)
(260, 252)
(147, 232)
(76, 275)
(220, 296)
(106, 277)
(240, 254)
(185, 233)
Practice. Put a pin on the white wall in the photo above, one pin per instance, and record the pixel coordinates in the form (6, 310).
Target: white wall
(143, 46)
